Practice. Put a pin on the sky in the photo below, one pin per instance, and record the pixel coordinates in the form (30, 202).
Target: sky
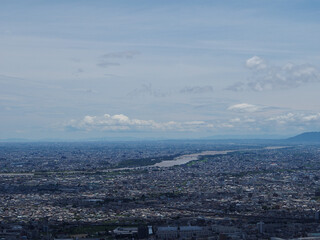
(73, 69)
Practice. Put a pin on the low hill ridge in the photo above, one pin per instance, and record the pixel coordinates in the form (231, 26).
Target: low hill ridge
(306, 137)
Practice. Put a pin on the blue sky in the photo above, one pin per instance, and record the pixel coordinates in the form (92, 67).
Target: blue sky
(169, 69)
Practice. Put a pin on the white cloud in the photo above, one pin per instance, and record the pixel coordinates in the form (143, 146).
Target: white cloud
(249, 120)
(257, 121)
(312, 117)
(300, 119)
(283, 119)
(123, 122)
(226, 125)
(265, 77)
(235, 120)
(256, 63)
(244, 107)
(121, 118)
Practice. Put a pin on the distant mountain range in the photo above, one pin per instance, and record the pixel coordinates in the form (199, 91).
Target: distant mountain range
(310, 137)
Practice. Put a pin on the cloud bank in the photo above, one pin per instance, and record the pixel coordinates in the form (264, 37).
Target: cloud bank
(266, 77)
(120, 122)
(243, 118)
(244, 107)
